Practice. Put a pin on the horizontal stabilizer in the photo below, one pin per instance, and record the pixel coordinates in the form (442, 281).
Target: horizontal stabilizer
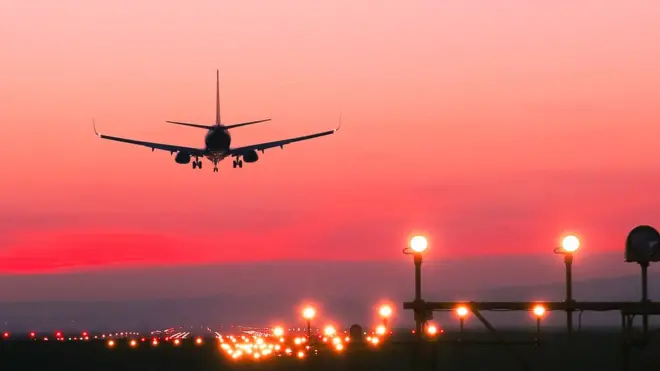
(244, 124)
(207, 127)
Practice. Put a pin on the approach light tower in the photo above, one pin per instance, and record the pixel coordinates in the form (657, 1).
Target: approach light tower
(308, 314)
(569, 245)
(417, 246)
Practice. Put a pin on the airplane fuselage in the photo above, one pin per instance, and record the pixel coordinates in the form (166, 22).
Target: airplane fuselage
(217, 140)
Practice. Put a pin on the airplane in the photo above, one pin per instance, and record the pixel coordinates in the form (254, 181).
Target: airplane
(217, 141)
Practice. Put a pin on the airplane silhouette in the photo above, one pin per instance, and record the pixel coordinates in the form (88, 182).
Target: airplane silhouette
(217, 141)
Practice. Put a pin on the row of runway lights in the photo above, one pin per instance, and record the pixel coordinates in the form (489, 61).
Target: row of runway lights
(462, 312)
(308, 313)
(276, 344)
(329, 333)
(258, 348)
(84, 336)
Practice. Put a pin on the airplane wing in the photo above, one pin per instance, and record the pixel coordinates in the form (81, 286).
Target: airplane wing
(164, 147)
(278, 143)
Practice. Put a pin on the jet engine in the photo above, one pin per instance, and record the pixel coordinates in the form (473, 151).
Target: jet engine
(250, 156)
(182, 158)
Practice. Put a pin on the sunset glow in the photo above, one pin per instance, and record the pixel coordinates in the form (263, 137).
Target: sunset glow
(457, 116)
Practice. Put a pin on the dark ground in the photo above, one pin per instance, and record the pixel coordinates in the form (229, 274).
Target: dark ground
(592, 350)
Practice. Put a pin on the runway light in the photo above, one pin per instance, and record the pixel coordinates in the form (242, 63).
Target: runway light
(418, 244)
(278, 331)
(539, 311)
(570, 243)
(462, 311)
(32, 334)
(432, 330)
(301, 354)
(329, 331)
(177, 342)
(111, 343)
(133, 343)
(385, 311)
(339, 347)
(309, 313)
(5, 335)
(381, 330)
(198, 341)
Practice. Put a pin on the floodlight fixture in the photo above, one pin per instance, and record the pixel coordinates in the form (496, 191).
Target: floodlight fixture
(570, 244)
(418, 244)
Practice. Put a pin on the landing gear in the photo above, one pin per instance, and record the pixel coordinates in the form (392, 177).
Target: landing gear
(197, 164)
(238, 163)
(215, 166)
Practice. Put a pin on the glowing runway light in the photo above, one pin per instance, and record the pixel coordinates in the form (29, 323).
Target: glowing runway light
(381, 330)
(133, 343)
(198, 341)
(385, 311)
(301, 354)
(111, 343)
(462, 311)
(539, 310)
(329, 331)
(432, 330)
(309, 313)
(278, 331)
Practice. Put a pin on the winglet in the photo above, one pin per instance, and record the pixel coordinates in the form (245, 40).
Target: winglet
(94, 126)
(339, 125)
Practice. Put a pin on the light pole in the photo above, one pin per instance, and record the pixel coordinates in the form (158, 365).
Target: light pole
(417, 247)
(462, 312)
(569, 245)
(539, 311)
(308, 314)
(385, 312)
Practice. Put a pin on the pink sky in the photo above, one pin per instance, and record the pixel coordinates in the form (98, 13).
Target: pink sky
(492, 126)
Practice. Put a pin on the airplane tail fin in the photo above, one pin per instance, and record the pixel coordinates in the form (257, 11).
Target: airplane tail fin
(217, 98)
